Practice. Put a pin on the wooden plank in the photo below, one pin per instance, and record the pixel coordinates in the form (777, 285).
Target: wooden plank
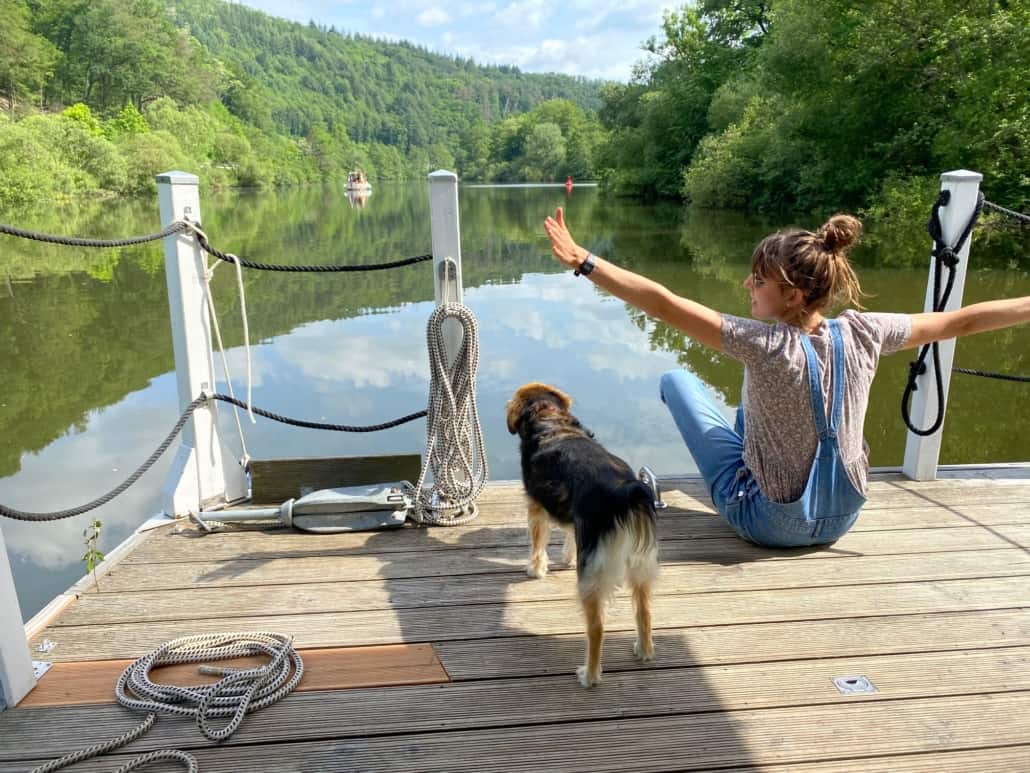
(168, 547)
(131, 576)
(338, 668)
(684, 742)
(520, 656)
(543, 618)
(555, 700)
(497, 502)
(511, 586)
(1010, 759)
(273, 481)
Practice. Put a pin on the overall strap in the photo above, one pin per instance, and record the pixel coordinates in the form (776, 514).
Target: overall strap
(837, 376)
(815, 386)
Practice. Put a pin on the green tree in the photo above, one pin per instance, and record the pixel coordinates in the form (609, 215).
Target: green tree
(26, 59)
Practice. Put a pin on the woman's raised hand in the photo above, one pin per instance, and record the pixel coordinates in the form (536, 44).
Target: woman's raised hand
(563, 246)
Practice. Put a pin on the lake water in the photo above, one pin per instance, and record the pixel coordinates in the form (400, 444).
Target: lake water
(89, 388)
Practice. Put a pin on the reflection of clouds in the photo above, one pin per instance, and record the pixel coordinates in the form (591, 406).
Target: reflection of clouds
(76, 469)
(360, 352)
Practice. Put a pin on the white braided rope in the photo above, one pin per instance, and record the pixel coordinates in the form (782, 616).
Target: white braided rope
(455, 451)
(239, 691)
(213, 314)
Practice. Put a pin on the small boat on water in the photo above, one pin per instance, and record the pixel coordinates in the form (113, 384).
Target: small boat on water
(358, 181)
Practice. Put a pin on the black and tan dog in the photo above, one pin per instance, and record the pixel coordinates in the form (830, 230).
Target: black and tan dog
(607, 514)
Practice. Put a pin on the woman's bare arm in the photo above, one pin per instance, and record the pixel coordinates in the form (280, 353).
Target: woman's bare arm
(696, 320)
(976, 318)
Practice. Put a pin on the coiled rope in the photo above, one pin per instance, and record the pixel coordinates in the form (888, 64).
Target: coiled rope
(455, 451)
(21, 515)
(239, 691)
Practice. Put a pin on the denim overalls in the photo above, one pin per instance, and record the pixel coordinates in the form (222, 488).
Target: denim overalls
(830, 503)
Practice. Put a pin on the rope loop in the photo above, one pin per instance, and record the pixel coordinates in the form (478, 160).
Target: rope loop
(238, 693)
(945, 255)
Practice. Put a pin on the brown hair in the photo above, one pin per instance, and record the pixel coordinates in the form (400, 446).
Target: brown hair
(814, 262)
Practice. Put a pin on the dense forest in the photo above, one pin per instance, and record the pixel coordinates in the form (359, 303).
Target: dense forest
(812, 104)
(764, 105)
(100, 94)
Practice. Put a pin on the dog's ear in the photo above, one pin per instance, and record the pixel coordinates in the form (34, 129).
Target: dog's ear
(514, 413)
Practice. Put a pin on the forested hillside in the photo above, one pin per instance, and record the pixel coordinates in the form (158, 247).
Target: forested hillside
(800, 104)
(98, 94)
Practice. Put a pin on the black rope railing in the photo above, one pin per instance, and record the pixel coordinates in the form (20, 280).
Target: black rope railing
(74, 241)
(990, 374)
(321, 269)
(184, 226)
(21, 515)
(944, 256)
(1011, 213)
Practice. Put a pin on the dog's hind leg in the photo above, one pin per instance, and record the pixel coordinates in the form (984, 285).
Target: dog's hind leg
(539, 534)
(641, 573)
(643, 647)
(589, 674)
(568, 552)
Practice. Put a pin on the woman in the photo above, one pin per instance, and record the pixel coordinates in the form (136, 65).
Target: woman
(793, 470)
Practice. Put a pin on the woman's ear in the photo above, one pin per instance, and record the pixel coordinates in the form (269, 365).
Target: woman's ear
(793, 297)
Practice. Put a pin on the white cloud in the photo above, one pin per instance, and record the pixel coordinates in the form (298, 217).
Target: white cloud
(522, 14)
(433, 17)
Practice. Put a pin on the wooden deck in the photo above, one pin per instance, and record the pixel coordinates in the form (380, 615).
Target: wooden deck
(929, 598)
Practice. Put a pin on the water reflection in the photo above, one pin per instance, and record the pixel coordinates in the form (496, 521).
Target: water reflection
(88, 393)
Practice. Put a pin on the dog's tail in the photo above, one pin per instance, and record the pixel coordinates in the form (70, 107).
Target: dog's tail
(641, 521)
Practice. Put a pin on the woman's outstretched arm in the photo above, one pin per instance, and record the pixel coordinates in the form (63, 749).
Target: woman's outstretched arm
(975, 318)
(696, 320)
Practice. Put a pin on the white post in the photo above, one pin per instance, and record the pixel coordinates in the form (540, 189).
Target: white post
(443, 219)
(16, 676)
(923, 453)
(200, 476)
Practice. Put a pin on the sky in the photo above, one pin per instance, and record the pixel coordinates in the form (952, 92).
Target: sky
(592, 38)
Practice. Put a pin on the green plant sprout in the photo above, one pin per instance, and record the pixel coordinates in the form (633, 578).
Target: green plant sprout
(92, 556)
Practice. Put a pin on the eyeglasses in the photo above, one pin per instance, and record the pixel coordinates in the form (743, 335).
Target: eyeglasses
(758, 282)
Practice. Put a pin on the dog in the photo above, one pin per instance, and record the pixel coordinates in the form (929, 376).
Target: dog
(607, 514)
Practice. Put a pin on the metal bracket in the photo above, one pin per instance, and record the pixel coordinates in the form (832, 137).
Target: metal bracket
(649, 479)
(853, 685)
(40, 667)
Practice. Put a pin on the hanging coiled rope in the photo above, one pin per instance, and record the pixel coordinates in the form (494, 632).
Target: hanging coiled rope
(239, 691)
(455, 451)
(944, 255)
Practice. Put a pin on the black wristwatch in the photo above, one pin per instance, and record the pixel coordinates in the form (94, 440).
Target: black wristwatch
(586, 266)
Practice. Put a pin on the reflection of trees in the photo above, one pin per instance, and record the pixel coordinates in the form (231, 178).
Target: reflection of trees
(85, 327)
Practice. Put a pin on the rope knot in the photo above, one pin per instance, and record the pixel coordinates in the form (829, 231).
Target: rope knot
(916, 368)
(948, 257)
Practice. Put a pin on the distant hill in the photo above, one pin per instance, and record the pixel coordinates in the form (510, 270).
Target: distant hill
(299, 77)
(99, 95)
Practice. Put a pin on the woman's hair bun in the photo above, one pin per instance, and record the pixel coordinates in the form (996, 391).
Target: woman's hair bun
(840, 232)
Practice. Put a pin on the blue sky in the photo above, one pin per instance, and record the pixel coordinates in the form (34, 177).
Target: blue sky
(593, 38)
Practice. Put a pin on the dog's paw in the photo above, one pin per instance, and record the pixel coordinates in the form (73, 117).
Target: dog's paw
(587, 680)
(645, 654)
(536, 571)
